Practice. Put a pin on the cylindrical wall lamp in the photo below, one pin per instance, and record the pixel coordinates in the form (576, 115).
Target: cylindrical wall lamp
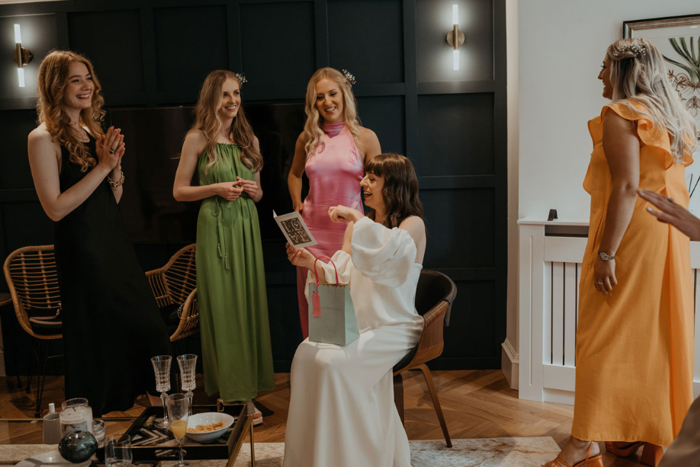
(455, 37)
(21, 56)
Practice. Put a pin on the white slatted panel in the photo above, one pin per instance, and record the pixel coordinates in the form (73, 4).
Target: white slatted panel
(557, 329)
(696, 290)
(570, 304)
(547, 318)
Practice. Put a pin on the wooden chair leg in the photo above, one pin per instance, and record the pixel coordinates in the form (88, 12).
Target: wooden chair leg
(398, 396)
(436, 402)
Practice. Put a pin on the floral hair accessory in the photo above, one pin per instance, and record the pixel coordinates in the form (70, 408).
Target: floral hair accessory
(349, 76)
(241, 78)
(635, 46)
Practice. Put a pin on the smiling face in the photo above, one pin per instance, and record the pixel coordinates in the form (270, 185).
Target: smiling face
(79, 89)
(231, 99)
(372, 189)
(604, 76)
(329, 100)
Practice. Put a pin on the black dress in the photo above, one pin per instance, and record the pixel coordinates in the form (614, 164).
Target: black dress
(111, 323)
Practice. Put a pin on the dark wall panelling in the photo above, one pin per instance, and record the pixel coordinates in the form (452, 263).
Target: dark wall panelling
(190, 42)
(457, 130)
(118, 59)
(366, 38)
(39, 36)
(278, 44)
(460, 228)
(476, 55)
(452, 124)
(385, 116)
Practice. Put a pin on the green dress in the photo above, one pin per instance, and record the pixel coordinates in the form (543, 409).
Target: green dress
(236, 351)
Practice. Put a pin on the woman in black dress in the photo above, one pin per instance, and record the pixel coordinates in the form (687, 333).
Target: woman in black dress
(111, 323)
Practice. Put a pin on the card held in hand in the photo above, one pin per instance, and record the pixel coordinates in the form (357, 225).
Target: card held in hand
(295, 230)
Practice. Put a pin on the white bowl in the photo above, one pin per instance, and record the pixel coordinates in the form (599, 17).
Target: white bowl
(208, 418)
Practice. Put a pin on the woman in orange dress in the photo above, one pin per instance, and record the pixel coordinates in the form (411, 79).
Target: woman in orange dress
(634, 352)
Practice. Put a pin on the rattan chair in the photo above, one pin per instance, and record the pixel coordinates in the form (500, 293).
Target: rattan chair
(434, 297)
(32, 278)
(175, 287)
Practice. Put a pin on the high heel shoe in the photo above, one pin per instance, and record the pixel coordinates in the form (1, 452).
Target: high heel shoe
(622, 452)
(651, 455)
(595, 461)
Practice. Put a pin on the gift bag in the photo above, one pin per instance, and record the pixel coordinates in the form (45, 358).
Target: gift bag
(331, 313)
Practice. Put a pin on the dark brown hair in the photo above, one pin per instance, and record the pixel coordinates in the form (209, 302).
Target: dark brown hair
(400, 190)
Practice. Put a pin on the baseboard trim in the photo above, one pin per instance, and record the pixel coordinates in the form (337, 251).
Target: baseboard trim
(510, 363)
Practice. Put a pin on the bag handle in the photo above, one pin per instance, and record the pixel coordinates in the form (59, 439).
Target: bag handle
(334, 267)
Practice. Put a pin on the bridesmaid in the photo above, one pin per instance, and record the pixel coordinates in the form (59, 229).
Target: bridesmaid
(222, 149)
(332, 149)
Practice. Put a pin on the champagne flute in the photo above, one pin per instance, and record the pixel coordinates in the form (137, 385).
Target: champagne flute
(188, 381)
(161, 367)
(118, 452)
(179, 413)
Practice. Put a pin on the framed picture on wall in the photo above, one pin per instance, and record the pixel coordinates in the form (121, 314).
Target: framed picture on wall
(678, 40)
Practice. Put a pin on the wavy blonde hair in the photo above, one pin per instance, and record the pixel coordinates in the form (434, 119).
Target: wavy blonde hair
(638, 74)
(313, 130)
(208, 121)
(51, 86)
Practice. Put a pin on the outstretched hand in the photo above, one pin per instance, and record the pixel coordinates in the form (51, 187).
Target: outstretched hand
(671, 213)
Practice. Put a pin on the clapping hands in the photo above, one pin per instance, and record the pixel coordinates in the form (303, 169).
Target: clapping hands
(110, 148)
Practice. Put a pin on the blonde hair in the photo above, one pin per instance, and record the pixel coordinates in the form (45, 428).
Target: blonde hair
(638, 75)
(207, 120)
(313, 132)
(51, 86)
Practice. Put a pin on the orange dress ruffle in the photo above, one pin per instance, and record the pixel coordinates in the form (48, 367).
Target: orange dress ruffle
(634, 350)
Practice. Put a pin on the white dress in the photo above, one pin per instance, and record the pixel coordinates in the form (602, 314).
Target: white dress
(342, 411)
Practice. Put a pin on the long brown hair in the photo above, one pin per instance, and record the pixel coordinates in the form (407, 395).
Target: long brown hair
(51, 86)
(313, 132)
(208, 121)
(400, 190)
(638, 75)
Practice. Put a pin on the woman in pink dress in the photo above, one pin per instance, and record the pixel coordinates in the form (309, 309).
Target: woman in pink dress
(332, 149)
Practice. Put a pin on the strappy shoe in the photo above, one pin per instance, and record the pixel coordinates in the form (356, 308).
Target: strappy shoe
(595, 461)
(622, 451)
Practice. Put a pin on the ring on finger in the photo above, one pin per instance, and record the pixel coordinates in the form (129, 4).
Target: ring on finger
(670, 199)
(600, 282)
(111, 150)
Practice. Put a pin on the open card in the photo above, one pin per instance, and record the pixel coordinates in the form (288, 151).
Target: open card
(295, 230)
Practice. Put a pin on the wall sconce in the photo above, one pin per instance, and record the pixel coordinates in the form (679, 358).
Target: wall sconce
(455, 38)
(22, 56)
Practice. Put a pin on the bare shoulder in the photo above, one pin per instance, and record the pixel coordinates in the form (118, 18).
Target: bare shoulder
(40, 135)
(367, 135)
(301, 140)
(415, 227)
(196, 137)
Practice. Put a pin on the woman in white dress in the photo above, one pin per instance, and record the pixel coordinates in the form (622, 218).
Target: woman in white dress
(342, 411)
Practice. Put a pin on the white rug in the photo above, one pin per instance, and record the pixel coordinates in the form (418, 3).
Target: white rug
(488, 452)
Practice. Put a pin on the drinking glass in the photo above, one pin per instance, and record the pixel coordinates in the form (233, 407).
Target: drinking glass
(179, 413)
(188, 379)
(118, 453)
(161, 366)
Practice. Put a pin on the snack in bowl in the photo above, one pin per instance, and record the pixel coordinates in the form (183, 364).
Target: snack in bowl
(209, 426)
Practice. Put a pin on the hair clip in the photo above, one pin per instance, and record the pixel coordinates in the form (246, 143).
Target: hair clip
(349, 76)
(241, 78)
(635, 46)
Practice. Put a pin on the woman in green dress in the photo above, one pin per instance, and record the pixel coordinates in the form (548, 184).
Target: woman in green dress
(222, 148)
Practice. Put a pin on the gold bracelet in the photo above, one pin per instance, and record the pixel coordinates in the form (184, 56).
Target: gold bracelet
(116, 185)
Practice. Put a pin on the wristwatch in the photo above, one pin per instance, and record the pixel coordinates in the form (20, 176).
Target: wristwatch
(604, 256)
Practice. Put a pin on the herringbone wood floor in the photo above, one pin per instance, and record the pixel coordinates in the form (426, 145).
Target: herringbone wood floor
(476, 404)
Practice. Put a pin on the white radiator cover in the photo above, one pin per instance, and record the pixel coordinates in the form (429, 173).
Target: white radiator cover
(548, 310)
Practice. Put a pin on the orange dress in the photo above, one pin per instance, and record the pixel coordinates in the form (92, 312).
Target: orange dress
(634, 350)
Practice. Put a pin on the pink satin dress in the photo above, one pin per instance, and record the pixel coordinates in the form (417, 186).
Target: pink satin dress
(335, 171)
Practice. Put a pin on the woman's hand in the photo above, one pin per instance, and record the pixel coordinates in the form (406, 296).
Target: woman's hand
(344, 214)
(249, 186)
(300, 257)
(604, 275)
(673, 214)
(110, 148)
(299, 207)
(229, 191)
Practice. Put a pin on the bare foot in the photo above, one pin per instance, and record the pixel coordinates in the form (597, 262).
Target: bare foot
(576, 451)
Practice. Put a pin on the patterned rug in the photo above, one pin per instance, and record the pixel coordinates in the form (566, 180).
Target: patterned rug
(488, 452)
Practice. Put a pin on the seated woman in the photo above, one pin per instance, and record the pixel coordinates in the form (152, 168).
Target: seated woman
(342, 410)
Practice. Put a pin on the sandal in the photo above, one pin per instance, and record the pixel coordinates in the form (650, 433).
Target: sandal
(626, 451)
(595, 461)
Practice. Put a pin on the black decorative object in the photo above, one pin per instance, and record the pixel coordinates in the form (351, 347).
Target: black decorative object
(552, 215)
(78, 447)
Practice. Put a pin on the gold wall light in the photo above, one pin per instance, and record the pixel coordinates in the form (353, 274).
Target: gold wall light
(22, 56)
(455, 37)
